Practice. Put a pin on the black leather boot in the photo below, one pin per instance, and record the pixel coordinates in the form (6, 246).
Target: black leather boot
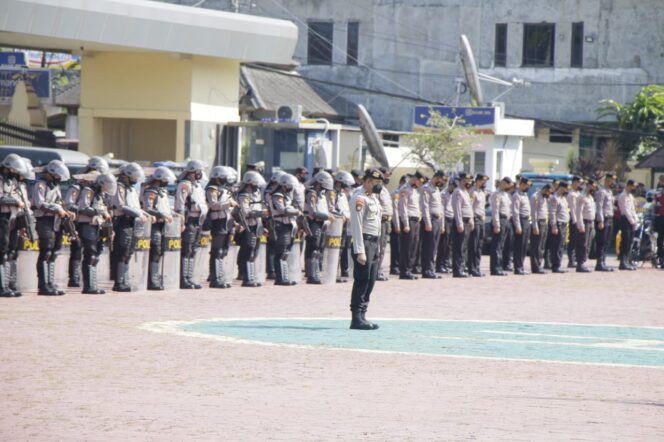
(357, 323)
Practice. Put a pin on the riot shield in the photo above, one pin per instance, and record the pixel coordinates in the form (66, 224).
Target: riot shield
(230, 266)
(170, 262)
(26, 266)
(260, 259)
(104, 265)
(202, 258)
(140, 259)
(62, 263)
(295, 261)
(331, 251)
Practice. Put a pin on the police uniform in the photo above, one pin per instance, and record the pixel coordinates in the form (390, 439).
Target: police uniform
(463, 218)
(9, 200)
(540, 228)
(521, 222)
(47, 203)
(219, 201)
(190, 203)
(604, 201)
(395, 233)
(156, 203)
(75, 244)
(410, 215)
(432, 220)
(365, 224)
(250, 203)
(628, 223)
(385, 200)
(558, 220)
(476, 240)
(317, 212)
(284, 215)
(501, 213)
(572, 198)
(585, 219)
(343, 207)
(126, 209)
(15, 240)
(444, 255)
(92, 212)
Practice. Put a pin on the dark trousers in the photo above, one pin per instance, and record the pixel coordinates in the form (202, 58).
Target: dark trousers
(445, 246)
(281, 249)
(394, 250)
(408, 246)
(460, 246)
(537, 245)
(508, 248)
(521, 243)
(344, 253)
(571, 245)
(498, 246)
(364, 276)
(475, 243)
(583, 243)
(659, 228)
(557, 246)
(602, 240)
(385, 228)
(547, 251)
(627, 236)
(430, 244)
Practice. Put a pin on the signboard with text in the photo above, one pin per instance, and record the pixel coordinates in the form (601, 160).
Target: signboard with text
(481, 117)
(40, 79)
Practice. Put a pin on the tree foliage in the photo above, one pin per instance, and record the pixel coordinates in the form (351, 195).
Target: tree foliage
(643, 118)
(443, 143)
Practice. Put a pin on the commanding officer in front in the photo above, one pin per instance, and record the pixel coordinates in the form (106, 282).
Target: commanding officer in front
(365, 225)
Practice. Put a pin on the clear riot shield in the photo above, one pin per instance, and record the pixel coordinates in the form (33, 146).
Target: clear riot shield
(26, 266)
(230, 263)
(62, 263)
(331, 251)
(202, 258)
(140, 259)
(104, 264)
(260, 259)
(170, 263)
(295, 261)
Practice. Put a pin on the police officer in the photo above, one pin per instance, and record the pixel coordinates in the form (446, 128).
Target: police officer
(156, 203)
(190, 203)
(10, 201)
(126, 208)
(268, 223)
(501, 213)
(220, 201)
(410, 215)
(284, 215)
(444, 256)
(48, 208)
(432, 220)
(658, 222)
(476, 241)
(539, 204)
(605, 202)
(628, 224)
(585, 219)
(521, 222)
(250, 213)
(343, 183)
(385, 199)
(92, 213)
(463, 225)
(365, 221)
(95, 164)
(547, 243)
(317, 211)
(572, 197)
(559, 217)
(395, 233)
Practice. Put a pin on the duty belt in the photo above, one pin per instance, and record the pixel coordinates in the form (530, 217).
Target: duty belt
(504, 216)
(387, 218)
(372, 238)
(414, 218)
(435, 216)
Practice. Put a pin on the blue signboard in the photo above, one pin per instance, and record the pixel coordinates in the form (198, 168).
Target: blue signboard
(40, 79)
(472, 116)
(12, 58)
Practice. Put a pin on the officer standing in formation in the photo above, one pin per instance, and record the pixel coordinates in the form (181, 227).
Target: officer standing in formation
(443, 260)
(628, 224)
(432, 222)
(250, 215)
(464, 224)
(501, 214)
(365, 222)
(605, 202)
(478, 198)
(284, 215)
(219, 198)
(521, 222)
(343, 183)
(317, 211)
(559, 217)
(20, 221)
(572, 197)
(539, 206)
(410, 215)
(387, 206)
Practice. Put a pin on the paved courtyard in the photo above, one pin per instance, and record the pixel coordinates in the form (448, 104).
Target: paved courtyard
(89, 368)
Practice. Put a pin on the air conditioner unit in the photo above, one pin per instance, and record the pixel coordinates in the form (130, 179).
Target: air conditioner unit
(290, 112)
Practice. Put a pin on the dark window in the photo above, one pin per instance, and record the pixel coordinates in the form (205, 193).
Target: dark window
(500, 56)
(577, 45)
(390, 140)
(538, 44)
(319, 49)
(560, 136)
(353, 42)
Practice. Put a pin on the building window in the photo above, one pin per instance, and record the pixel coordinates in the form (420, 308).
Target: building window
(577, 45)
(479, 161)
(560, 136)
(319, 47)
(352, 44)
(538, 44)
(500, 53)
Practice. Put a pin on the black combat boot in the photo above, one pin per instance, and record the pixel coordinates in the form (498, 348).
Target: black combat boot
(357, 323)
(122, 278)
(44, 289)
(217, 275)
(154, 277)
(51, 279)
(5, 291)
(373, 325)
(74, 273)
(11, 273)
(90, 281)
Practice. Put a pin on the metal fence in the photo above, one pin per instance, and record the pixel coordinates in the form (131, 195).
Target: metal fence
(16, 135)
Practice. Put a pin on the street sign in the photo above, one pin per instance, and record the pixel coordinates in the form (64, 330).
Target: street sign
(40, 79)
(12, 58)
(472, 116)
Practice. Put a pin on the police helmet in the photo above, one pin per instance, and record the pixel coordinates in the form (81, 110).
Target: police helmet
(163, 174)
(224, 173)
(344, 178)
(324, 179)
(58, 169)
(14, 164)
(108, 183)
(276, 175)
(254, 178)
(29, 173)
(99, 164)
(133, 171)
(195, 166)
(288, 181)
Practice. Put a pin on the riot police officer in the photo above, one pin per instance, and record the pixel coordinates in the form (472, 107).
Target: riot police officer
(10, 201)
(155, 202)
(95, 164)
(190, 203)
(343, 182)
(126, 208)
(284, 215)
(317, 211)
(48, 208)
(269, 225)
(249, 215)
(219, 197)
(92, 213)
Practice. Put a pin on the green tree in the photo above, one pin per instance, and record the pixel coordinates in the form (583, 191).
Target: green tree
(641, 119)
(443, 143)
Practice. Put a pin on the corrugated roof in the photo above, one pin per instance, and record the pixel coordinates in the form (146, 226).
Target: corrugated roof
(653, 161)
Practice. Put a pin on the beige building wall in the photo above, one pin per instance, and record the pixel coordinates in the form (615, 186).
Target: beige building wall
(540, 155)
